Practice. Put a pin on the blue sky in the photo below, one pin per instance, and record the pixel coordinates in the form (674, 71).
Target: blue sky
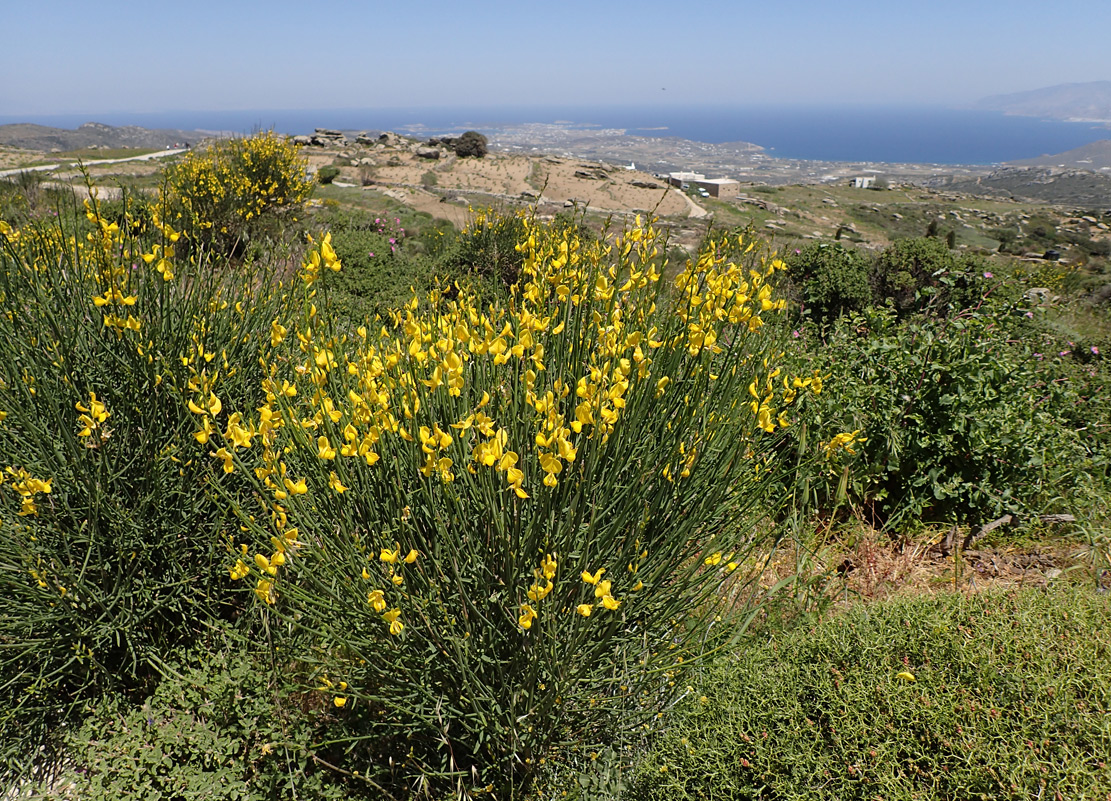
(65, 57)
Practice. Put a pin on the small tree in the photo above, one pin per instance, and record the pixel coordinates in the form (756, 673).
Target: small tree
(472, 143)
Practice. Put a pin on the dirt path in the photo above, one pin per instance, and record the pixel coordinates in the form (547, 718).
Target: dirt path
(94, 162)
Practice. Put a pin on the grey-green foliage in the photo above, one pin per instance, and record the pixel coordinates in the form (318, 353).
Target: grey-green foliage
(218, 727)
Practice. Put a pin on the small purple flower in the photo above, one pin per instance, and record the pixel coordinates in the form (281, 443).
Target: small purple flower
(1038, 356)
(1095, 350)
(1030, 315)
(796, 334)
(393, 241)
(988, 275)
(1063, 353)
(797, 251)
(372, 254)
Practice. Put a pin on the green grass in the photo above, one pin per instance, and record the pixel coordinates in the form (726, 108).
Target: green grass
(1011, 699)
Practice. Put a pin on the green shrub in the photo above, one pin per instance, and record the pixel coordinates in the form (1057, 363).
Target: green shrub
(833, 279)
(487, 248)
(508, 527)
(1007, 700)
(924, 275)
(327, 174)
(379, 267)
(956, 421)
(212, 728)
(111, 548)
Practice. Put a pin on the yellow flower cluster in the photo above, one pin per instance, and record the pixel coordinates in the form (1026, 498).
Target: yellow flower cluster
(324, 256)
(91, 418)
(602, 591)
(235, 181)
(510, 392)
(27, 487)
(843, 441)
(543, 584)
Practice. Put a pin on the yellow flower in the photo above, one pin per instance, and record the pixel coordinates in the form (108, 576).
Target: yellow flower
(206, 430)
(298, 488)
(411, 556)
(392, 617)
(339, 701)
(843, 441)
(377, 600)
(265, 591)
(528, 614)
(239, 570)
(539, 593)
(584, 609)
(713, 559)
(548, 565)
(324, 450)
(222, 453)
(906, 676)
(602, 588)
(390, 557)
(277, 334)
(609, 602)
(335, 483)
(595, 578)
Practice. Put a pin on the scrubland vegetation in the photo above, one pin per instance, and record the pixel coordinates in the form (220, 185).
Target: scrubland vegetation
(346, 504)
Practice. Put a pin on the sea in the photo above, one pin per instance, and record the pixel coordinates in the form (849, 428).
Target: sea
(894, 134)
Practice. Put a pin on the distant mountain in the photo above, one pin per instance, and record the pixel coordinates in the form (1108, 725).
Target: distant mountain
(1067, 101)
(91, 134)
(1096, 156)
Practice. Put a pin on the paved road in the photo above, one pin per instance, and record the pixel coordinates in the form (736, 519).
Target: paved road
(48, 167)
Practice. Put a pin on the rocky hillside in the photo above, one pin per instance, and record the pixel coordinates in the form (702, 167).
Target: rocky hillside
(1070, 187)
(427, 175)
(1096, 156)
(90, 135)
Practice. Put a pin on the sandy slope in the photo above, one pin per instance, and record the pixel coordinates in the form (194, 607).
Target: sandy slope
(423, 182)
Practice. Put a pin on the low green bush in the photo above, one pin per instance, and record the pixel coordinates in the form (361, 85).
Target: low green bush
(213, 728)
(993, 696)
